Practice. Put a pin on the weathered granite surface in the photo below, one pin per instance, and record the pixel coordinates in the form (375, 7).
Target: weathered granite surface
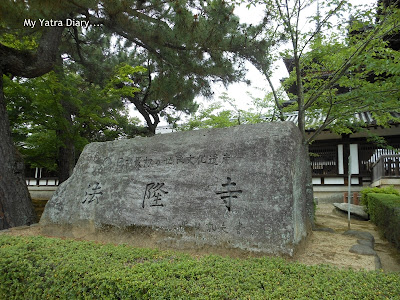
(363, 235)
(362, 249)
(357, 210)
(369, 243)
(244, 187)
(366, 243)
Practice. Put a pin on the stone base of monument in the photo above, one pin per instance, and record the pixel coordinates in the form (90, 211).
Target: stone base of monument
(246, 187)
(148, 237)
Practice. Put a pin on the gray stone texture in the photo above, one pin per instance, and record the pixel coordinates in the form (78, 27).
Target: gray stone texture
(357, 210)
(365, 245)
(244, 187)
(378, 263)
(362, 249)
(363, 235)
(369, 243)
(325, 229)
(330, 198)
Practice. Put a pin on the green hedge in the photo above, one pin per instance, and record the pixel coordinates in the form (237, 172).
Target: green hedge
(386, 190)
(48, 268)
(384, 211)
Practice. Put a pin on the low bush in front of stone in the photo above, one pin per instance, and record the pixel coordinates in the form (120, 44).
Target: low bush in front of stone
(384, 211)
(49, 268)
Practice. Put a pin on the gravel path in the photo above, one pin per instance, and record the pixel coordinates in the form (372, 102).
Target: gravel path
(333, 248)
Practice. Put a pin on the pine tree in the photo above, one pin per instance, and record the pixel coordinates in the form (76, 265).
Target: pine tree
(186, 45)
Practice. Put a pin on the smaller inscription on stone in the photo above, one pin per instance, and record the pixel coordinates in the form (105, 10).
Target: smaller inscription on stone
(126, 164)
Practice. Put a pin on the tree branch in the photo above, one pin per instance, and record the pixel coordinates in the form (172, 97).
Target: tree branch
(29, 64)
(330, 14)
(276, 99)
(341, 70)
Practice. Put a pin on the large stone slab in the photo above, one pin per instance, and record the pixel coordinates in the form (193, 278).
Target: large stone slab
(356, 210)
(244, 187)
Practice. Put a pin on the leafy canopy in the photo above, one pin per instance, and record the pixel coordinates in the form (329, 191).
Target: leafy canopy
(337, 68)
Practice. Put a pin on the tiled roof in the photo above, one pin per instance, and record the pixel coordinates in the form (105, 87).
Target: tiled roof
(363, 117)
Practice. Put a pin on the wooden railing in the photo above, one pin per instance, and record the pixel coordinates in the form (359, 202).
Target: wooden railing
(386, 166)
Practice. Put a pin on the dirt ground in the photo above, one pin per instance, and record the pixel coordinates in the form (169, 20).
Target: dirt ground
(321, 247)
(333, 248)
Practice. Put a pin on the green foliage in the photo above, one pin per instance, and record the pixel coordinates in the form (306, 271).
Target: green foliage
(210, 117)
(183, 45)
(364, 86)
(362, 75)
(384, 211)
(122, 82)
(390, 190)
(214, 116)
(38, 268)
(315, 207)
(39, 149)
(38, 108)
(23, 43)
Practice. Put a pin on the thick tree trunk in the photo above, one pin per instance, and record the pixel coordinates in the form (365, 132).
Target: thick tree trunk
(66, 151)
(66, 157)
(28, 64)
(16, 207)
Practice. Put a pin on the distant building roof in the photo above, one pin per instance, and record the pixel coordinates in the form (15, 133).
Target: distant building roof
(311, 122)
(362, 117)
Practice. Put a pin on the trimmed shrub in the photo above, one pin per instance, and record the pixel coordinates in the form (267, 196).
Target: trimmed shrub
(384, 211)
(386, 190)
(49, 268)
